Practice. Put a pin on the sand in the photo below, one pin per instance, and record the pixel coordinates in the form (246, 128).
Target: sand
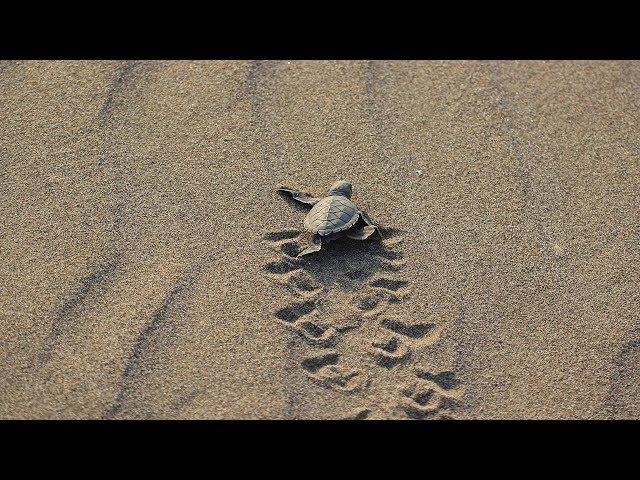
(145, 260)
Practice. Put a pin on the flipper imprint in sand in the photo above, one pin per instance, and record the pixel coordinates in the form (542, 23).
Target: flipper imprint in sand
(342, 303)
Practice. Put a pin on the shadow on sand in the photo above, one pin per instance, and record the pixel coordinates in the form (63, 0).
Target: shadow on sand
(346, 262)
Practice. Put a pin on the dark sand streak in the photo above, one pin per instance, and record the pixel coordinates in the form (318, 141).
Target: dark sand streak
(160, 319)
(124, 73)
(624, 378)
(256, 70)
(186, 401)
(509, 115)
(114, 169)
(91, 288)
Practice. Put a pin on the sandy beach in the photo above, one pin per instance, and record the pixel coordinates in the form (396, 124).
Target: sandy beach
(147, 263)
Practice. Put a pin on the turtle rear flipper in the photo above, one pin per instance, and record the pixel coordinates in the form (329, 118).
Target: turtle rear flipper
(300, 196)
(314, 246)
(362, 233)
(370, 223)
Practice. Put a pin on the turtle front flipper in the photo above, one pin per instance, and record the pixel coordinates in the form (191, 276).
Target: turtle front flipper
(314, 246)
(300, 196)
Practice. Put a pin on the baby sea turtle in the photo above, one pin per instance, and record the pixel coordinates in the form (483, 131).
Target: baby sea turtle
(333, 216)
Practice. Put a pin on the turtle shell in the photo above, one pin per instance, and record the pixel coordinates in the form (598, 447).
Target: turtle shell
(331, 214)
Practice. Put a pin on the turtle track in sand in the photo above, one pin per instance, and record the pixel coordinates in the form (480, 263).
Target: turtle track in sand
(431, 396)
(342, 304)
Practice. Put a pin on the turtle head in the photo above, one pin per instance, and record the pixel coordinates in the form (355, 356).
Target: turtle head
(340, 188)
